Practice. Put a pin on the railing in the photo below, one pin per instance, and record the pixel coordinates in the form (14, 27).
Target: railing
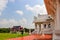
(45, 31)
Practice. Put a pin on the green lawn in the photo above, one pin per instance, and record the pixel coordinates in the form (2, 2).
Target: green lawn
(4, 36)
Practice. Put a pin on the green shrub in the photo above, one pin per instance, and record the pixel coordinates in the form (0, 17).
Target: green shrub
(4, 30)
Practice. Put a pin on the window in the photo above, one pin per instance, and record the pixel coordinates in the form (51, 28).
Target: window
(44, 25)
(49, 25)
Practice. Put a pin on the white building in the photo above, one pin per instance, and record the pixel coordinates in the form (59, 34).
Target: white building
(43, 24)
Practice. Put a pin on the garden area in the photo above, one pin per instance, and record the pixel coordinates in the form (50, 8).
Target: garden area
(5, 33)
(4, 36)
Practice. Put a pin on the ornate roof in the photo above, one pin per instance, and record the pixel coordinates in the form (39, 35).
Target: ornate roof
(42, 18)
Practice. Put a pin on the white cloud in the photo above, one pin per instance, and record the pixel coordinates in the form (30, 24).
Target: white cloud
(23, 22)
(29, 8)
(31, 26)
(3, 4)
(12, 1)
(37, 9)
(19, 12)
(4, 23)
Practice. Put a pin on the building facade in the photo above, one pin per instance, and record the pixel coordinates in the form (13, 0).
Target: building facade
(53, 9)
(15, 29)
(43, 24)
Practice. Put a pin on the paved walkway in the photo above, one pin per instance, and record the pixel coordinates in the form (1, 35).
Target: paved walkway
(33, 37)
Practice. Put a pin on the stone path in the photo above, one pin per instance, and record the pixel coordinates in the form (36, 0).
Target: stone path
(33, 37)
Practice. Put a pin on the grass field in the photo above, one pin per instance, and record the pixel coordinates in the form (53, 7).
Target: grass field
(4, 36)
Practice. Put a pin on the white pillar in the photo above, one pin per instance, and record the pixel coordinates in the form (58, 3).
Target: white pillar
(42, 28)
(47, 26)
(57, 22)
(29, 31)
(35, 26)
(37, 29)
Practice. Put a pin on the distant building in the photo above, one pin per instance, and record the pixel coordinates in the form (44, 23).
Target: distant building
(15, 29)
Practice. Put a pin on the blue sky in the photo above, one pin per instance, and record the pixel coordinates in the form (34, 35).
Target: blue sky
(20, 12)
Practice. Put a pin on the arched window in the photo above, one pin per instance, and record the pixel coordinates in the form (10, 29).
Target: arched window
(49, 25)
(44, 25)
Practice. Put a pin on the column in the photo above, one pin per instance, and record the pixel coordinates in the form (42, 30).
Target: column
(38, 28)
(42, 28)
(57, 22)
(46, 25)
(29, 31)
(35, 26)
